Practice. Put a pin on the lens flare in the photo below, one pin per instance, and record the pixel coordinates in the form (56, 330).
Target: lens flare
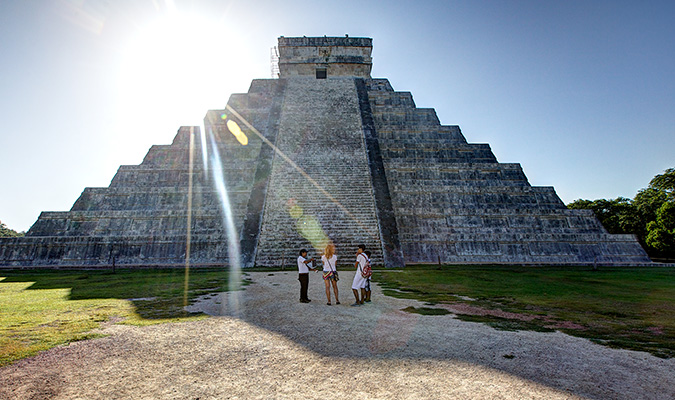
(311, 180)
(295, 211)
(308, 226)
(205, 151)
(188, 239)
(236, 131)
(213, 164)
(233, 250)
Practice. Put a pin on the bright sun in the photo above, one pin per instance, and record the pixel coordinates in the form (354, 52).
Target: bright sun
(179, 66)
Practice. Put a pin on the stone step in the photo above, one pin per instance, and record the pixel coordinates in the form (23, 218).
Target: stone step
(334, 155)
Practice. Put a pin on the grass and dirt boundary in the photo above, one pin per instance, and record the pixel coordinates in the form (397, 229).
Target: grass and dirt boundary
(629, 308)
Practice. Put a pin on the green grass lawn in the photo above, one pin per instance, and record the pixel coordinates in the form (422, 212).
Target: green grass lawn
(43, 309)
(630, 308)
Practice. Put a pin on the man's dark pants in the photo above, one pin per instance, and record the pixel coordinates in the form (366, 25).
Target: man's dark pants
(304, 284)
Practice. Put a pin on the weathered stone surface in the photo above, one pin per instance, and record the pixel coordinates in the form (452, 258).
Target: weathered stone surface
(337, 56)
(455, 203)
(322, 192)
(339, 157)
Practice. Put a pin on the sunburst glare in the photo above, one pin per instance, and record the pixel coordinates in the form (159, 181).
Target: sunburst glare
(233, 250)
(174, 68)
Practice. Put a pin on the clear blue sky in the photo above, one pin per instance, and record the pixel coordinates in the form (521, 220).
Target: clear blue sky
(581, 93)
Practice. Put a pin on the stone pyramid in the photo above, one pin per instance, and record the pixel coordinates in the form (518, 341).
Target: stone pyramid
(323, 153)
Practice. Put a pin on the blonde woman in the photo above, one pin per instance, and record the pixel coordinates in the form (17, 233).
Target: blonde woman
(330, 275)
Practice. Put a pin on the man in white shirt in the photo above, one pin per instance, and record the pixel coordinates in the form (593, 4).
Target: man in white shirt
(303, 274)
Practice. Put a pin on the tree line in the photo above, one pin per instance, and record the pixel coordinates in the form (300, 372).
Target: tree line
(650, 215)
(7, 232)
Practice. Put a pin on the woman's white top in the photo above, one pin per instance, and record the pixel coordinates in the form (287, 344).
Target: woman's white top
(326, 261)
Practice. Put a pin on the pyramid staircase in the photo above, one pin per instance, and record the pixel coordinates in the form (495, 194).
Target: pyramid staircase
(330, 155)
(321, 192)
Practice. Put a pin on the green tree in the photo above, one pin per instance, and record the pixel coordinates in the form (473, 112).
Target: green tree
(616, 215)
(646, 202)
(661, 232)
(660, 207)
(6, 232)
(650, 215)
(665, 183)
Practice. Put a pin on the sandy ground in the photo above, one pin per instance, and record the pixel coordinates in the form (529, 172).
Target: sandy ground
(263, 343)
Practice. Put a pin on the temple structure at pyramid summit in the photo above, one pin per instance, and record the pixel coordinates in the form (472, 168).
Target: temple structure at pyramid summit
(321, 153)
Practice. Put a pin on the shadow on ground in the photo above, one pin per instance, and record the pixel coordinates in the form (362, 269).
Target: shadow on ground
(379, 337)
(381, 330)
(154, 293)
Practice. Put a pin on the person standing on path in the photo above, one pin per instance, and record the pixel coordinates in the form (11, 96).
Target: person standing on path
(358, 284)
(303, 275)
(366, 286)
(330, 276)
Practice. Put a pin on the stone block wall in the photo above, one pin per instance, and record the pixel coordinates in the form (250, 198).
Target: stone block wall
(339, 56)
(141, 218)
(320, 187)
(455, 203)
(342, 158)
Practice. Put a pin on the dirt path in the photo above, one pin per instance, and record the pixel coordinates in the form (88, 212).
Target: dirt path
(265, 344)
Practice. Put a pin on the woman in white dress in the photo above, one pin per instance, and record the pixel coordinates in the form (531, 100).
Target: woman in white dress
(330, 275)
(359, 283)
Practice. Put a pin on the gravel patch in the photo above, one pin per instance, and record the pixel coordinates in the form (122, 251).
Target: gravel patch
(263, 343)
